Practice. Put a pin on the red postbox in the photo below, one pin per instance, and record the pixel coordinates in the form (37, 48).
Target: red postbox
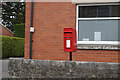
(70, 39)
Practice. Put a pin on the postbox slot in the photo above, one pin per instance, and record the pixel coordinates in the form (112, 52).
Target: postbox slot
(68, 34)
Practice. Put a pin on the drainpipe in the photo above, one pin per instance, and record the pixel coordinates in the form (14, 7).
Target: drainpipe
(31, 29)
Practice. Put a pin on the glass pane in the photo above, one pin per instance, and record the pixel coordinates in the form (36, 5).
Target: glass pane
(103, 11)
(98, 11)
(98, 30)
(87, 12)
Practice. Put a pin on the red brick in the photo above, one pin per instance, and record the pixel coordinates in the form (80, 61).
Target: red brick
(5, 32)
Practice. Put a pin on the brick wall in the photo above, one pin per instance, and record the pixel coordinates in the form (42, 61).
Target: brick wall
(5, 32)
(49, 19)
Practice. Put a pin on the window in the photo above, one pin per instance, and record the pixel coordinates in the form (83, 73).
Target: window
(98, 24)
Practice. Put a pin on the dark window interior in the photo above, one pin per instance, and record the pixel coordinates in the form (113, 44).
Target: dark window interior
(99, 11)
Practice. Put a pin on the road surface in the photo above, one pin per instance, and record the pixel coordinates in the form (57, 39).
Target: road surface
(4, 68)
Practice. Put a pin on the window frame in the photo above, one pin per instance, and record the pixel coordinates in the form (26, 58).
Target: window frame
(96, 18)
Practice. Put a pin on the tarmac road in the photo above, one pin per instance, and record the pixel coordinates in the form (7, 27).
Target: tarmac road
(4, 68)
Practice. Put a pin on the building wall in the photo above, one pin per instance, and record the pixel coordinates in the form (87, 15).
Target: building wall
(5, 32)
(49, 20)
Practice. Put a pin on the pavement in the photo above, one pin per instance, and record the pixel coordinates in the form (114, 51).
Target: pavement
(4, 68)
